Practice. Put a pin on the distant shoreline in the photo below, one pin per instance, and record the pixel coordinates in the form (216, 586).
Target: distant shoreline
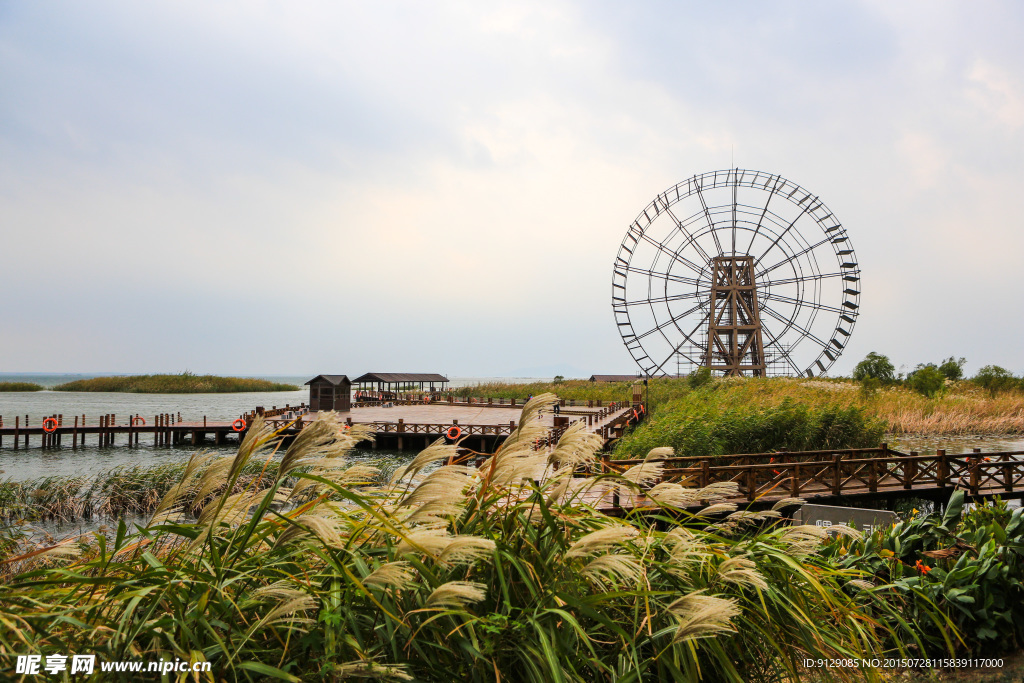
(184, 383)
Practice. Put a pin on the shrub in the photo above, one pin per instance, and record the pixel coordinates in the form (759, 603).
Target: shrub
(970, 566)
(995, 379)
(876, 366)
(704, 427)
(927, 380)
(699, 377)
(953, 368)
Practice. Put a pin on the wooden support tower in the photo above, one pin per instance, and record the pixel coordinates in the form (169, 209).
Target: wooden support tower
(734, 328)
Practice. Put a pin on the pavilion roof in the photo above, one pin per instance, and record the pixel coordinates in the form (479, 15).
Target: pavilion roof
(401, 377)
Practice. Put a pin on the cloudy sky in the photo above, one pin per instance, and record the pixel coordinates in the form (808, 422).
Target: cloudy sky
(279, 188)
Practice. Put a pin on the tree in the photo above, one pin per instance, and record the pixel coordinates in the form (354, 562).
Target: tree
(995, 379)
(926, 379)
(876, 366)
(953, 368)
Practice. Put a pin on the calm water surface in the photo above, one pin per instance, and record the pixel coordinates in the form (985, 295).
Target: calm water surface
(22, 465)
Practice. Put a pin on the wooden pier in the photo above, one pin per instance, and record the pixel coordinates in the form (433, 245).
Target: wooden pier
(399, 424)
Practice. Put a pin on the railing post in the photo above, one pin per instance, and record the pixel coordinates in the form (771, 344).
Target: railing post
(705, 473)
(751, 484)
(794, 487)
(908, 471)
(873, 476)
(837, 474)
(942, 467)
(975, 474)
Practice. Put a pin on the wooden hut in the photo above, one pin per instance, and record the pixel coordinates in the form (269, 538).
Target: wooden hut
(330, 392)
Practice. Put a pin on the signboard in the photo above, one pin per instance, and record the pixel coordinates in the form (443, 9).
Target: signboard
(863, 519)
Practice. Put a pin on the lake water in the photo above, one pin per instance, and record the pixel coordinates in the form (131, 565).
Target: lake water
(22, 465)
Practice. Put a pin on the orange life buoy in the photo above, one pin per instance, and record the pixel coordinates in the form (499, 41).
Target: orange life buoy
(453, 432)
(52, 421)
(238, 425)
(137, 419)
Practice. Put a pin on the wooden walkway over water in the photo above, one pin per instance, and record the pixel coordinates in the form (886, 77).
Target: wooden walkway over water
(397, 424)
(827, 476)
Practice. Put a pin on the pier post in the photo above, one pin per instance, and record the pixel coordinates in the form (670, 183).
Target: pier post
(908, 471)
(156, 432)
(17, 424)
(74, 436)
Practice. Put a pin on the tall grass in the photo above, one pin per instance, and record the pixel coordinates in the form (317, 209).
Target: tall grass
(711, 422)
(20, 386)
(962, 407)
(500, 572)
(185, 383)
(123, 491)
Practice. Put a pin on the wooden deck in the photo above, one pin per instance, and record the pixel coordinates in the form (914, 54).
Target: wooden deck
(401, 425)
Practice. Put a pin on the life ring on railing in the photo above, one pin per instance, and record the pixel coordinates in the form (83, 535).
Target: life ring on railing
(238, 425)
(453, 433)
(635, 416)
(52, 421)
(137, 419)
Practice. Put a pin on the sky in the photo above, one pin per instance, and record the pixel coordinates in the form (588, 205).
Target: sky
(304, 188)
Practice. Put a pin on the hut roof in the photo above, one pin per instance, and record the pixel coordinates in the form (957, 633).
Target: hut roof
(613, 378)
(331, 379)
(401, 377)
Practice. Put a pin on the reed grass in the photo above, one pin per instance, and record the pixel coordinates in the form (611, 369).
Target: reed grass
(123, 491)
(184, 383)
(497, 572)
(20, 386)
(961, 408)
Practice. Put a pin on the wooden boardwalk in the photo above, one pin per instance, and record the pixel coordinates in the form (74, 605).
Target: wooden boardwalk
(396, 424)
(833, 476)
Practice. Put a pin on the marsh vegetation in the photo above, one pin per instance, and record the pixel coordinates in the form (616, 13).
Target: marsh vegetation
(20, 386)
(184, 383)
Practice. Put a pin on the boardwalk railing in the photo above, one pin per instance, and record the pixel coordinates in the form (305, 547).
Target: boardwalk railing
(847, 473)
(368, 399)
